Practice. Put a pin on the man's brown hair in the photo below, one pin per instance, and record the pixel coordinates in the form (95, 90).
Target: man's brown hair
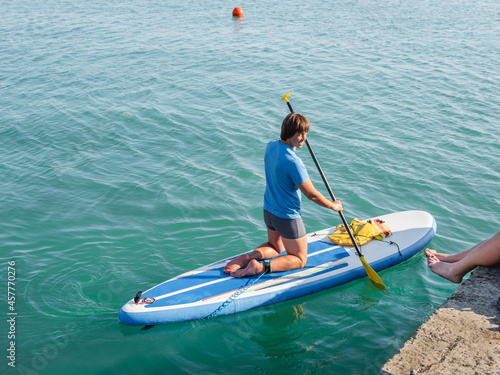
(294, 123)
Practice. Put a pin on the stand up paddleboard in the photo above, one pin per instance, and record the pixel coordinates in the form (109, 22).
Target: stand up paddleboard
(208, 291)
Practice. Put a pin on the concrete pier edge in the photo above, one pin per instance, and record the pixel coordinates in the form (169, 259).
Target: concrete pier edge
(461, 337)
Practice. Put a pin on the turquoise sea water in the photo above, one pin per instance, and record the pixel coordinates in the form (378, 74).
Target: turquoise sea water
(132, 141)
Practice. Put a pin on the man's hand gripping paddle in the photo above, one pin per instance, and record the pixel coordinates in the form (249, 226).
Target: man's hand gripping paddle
(372, 275)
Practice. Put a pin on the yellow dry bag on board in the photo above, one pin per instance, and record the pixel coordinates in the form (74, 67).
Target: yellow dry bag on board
(363, 232)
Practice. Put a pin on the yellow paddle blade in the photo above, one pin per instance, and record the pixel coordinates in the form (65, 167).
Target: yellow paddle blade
(372, 275)
(285, 98)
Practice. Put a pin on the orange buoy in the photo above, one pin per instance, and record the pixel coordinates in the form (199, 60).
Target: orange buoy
(238, 12)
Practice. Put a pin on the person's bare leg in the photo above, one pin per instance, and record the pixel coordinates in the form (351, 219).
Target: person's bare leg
(486, 253)
(244, 259)
(451, 258)
(270, 249)
(296, 257)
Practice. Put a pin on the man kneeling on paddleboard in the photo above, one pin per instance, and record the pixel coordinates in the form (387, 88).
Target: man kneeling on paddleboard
(286, 177)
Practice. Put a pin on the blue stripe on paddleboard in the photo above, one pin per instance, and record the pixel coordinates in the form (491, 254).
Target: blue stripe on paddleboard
(232, 284)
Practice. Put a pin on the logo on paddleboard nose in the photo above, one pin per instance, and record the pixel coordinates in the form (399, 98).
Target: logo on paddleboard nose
(145, 301)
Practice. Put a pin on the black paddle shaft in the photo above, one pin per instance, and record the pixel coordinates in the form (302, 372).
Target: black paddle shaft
(344, 221)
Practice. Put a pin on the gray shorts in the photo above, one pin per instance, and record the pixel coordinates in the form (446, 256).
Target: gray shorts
(291, 229)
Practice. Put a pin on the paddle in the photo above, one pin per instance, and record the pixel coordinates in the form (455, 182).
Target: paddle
(372, 275)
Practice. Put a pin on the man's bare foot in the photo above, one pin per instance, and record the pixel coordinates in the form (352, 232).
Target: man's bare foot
(444, 269)
(442, 257)
(236, 263)
(253, 268)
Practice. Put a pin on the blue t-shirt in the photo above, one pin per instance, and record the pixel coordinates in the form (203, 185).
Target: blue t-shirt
(284, 171)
